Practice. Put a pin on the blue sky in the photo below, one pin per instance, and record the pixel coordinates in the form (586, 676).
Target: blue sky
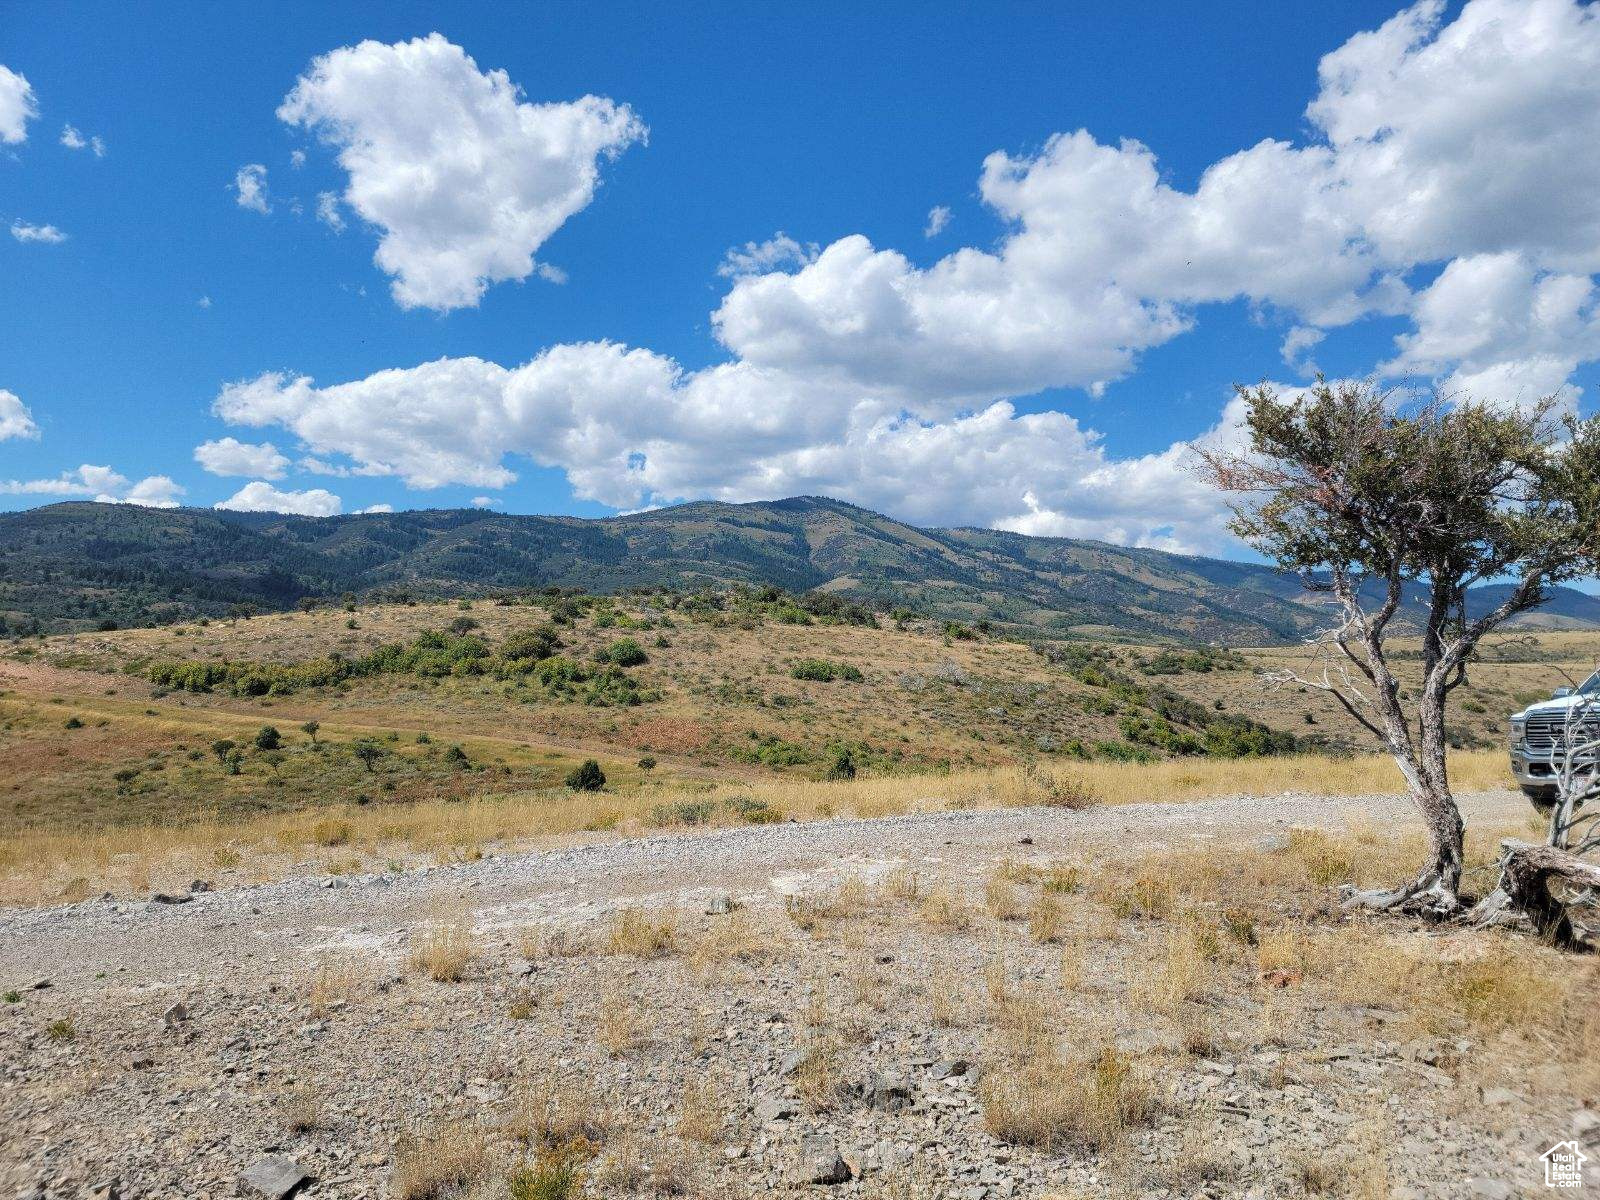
(999, 386)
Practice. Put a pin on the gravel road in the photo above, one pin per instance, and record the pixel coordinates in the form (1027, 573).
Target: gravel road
(270, 929)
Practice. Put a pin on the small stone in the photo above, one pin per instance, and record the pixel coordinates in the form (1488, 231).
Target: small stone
(175, 1015)
(819, 1161)
(775, 1110)
(948, 1068)
(521, 968)
(273, 1176)
(141, 1062)
(1026, 841)
(1585, 1122)
(790, 1062)
(887, 1092)
(1499, 1097)
(200, 885)
(39, 985)
(1491, 1189)
(720, 906)
(170, 898)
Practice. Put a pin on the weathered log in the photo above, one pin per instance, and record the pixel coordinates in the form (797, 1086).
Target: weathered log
(1544, 885)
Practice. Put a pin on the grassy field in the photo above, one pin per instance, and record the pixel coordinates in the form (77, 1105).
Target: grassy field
(108, 775)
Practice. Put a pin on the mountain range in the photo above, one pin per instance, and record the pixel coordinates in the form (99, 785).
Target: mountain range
(78, 565)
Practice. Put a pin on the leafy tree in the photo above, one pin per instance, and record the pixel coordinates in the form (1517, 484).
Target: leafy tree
(1366, 501)
(367, 753)
(310, 730)
(268, 738)
(220, 748)
(843, 764)
(586, 778)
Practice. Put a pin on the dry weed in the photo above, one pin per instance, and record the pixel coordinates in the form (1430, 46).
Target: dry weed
(817, 1079)
(946, 911)
(636, 932)
(1047, 919)
(1048, 1102)
(334, 981)
(700, 1111)
(1000, 898)
(561, 1115)
(444, 952)
(618, 1026)
(440, 1164)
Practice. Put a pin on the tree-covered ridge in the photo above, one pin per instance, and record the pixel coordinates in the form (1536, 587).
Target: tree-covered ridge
(80, 565)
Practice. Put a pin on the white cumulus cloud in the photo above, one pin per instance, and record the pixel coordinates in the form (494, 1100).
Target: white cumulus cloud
(15, 419)
(18, 106)
(72, 138)
(263, 497)
(328, 211)
(101, 483)
(47, 235)
(229, 456)
(756, 258)
(250, 188)
(465, 179)
(1448, 178)
(155, 491)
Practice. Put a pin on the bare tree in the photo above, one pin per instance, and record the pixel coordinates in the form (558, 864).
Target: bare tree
(1577, 779)
(1394, 512)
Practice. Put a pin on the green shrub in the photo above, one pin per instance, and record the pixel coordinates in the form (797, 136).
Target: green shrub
(625, 652)
(588, 777)
(684, 812)
(752, 811)
(268, 738)
(535, 644)
(822, 671)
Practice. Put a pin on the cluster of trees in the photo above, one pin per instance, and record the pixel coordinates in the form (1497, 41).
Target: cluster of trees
(1157, 717)
(526, 656)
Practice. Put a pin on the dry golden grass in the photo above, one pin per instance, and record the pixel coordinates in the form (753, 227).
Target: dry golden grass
(440, 1164)
(1000, 897)
(335, 981)
(817, 1079)
(1040, 1099)
(737, 937)
(902, 884)
(538, 941)
(444, 951)
(642, 934)
(36, 864)
(562, 1115)
(619, 1023)
(1047, 918)
(945, 910)
(701, 1111)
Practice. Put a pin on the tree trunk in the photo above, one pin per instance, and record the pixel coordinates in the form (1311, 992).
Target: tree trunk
(1540, 883)
(1435, 890)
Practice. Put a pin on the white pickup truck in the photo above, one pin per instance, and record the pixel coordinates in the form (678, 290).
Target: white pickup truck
(1538, 734)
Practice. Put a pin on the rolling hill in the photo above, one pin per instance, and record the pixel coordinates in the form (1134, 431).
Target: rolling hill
(77, 565)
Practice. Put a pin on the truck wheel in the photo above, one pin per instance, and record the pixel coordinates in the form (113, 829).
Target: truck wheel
(1544, 798)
